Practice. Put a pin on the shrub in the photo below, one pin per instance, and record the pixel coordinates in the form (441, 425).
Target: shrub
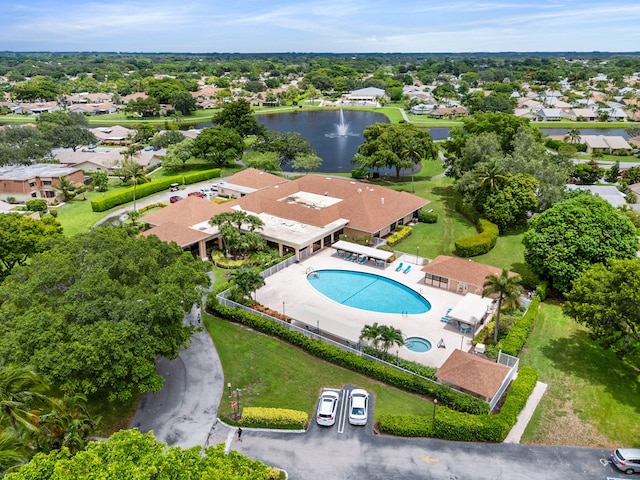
(454, 425)
(37, 205)
(126, 195)
(349, 360)
(273, 417)
(428, 216)
(518, 334)
(402, 233)
(480, 243)
(359, 173)
(541, 290)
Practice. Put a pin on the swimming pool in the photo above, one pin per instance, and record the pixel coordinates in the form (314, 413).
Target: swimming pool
(368, 291)
(417, 344)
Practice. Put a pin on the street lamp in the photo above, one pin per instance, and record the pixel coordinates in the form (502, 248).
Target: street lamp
(318, 326)
(229, 388)
(417, 252)
(435, 405)
(238, 401)
(283, 314)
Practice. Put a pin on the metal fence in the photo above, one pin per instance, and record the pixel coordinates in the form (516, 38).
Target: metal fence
(512, 363)
(280, 266)
(309, 332)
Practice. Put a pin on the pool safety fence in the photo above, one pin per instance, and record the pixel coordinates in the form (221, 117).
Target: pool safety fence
(278, 267)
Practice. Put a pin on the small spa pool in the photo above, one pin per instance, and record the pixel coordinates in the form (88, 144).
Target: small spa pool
(368, 291)
(417, 344)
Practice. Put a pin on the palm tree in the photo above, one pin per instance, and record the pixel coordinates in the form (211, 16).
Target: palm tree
(21, 392)
(371, 333)
(11, 451)
(507, 288)
(490, 174)
(573, 136)
(132, 170)
(66, 188)
(247, 279)
(390, 336)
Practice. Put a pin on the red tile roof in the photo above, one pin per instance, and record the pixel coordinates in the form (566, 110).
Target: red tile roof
(462, 269)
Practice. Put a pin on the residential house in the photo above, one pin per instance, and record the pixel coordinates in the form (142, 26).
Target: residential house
(26, 182)
(549, 114)
(364, 96)
(105, 159)
(422, 109)
(93, 108)
(116, 135)
(609, 193)
(36, 108)
(604, 143)
(449, 112)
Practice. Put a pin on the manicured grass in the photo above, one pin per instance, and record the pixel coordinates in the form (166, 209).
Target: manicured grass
(437, 238)
(508, 252)
(76, 216)
(271, 373)
(592, 398)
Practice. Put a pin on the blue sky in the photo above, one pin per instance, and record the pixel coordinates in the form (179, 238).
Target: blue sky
(338, 26)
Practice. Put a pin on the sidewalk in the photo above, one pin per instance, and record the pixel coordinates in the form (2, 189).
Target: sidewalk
(527, 412)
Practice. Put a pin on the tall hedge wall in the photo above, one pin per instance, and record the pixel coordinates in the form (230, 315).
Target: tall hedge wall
(480, 243)
(406, 381)
(143, 190)
(451, 425)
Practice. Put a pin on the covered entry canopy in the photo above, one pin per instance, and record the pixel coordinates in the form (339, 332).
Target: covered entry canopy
(362, 250)
(471, 309)
(339, 327)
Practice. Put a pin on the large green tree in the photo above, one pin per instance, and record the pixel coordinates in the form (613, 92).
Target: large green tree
(219, 145)
(605, 298)
(177, 155)
(239, 117)
(22, 236)
(132, 455)
(509, 205)
(578, 232)
(94, 312)
(398, 146)
(288, 145)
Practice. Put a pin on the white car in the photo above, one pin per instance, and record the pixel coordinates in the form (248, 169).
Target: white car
(327, 408)
(358, 407)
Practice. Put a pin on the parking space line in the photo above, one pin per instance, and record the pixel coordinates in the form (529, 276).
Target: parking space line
(342, 418)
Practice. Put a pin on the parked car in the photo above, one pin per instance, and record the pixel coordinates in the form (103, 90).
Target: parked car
(148, 149)
(327, 408)
(196, 194)
(358, 407)
(174, 187)
(214, 187)
(626, 460)
(175, 198)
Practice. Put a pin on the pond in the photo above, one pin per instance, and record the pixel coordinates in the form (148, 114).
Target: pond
(335, 135)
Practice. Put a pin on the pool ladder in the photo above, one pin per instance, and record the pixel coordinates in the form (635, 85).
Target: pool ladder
(310, 270)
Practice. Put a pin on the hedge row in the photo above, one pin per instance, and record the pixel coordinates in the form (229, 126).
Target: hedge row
(126, 195)
(402, 233)
(349, 360)
(517, 336)
(459, 426)
(480, 243)
(426, 216)
(273, 417)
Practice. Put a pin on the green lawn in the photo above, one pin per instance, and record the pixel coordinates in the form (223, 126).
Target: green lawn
(592, 398)
(271, 373)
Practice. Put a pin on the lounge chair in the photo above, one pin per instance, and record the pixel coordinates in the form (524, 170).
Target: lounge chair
(446, 319)
(363, 259)
(399, 267)
(348, 257)
(355, 257)
(340, 252)
(406, 270)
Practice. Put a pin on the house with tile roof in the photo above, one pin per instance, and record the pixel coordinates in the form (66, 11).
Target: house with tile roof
(26, 182)
(605, 143)
(459, 275)
(301, 216)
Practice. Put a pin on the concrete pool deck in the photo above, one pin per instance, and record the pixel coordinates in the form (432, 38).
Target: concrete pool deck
(291, 288)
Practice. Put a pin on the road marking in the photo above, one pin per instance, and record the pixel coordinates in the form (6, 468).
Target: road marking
(342, 418)
(428, 459)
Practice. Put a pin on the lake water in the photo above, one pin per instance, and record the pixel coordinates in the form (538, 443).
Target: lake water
(321, 128)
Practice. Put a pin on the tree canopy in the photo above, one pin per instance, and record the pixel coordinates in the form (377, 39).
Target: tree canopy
(568, 238)
(239, 117)
(136, 456)
(218, 145)
(22, 236)
(396, 146)
(92, 318)
(605, 298)
(288, 145)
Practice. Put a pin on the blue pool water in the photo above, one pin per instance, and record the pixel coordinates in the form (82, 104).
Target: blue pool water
(368, 292)
(417, 344)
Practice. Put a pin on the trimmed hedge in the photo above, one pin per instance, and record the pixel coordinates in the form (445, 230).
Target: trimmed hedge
(273, 417)
(349, 360)
(452, 425)
(126, 195)
(518, 334)
(402, 233)
(428, 216)
(414, 367)
(481, 243)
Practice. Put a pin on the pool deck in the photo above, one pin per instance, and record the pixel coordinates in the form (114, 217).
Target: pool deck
(291, 287)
